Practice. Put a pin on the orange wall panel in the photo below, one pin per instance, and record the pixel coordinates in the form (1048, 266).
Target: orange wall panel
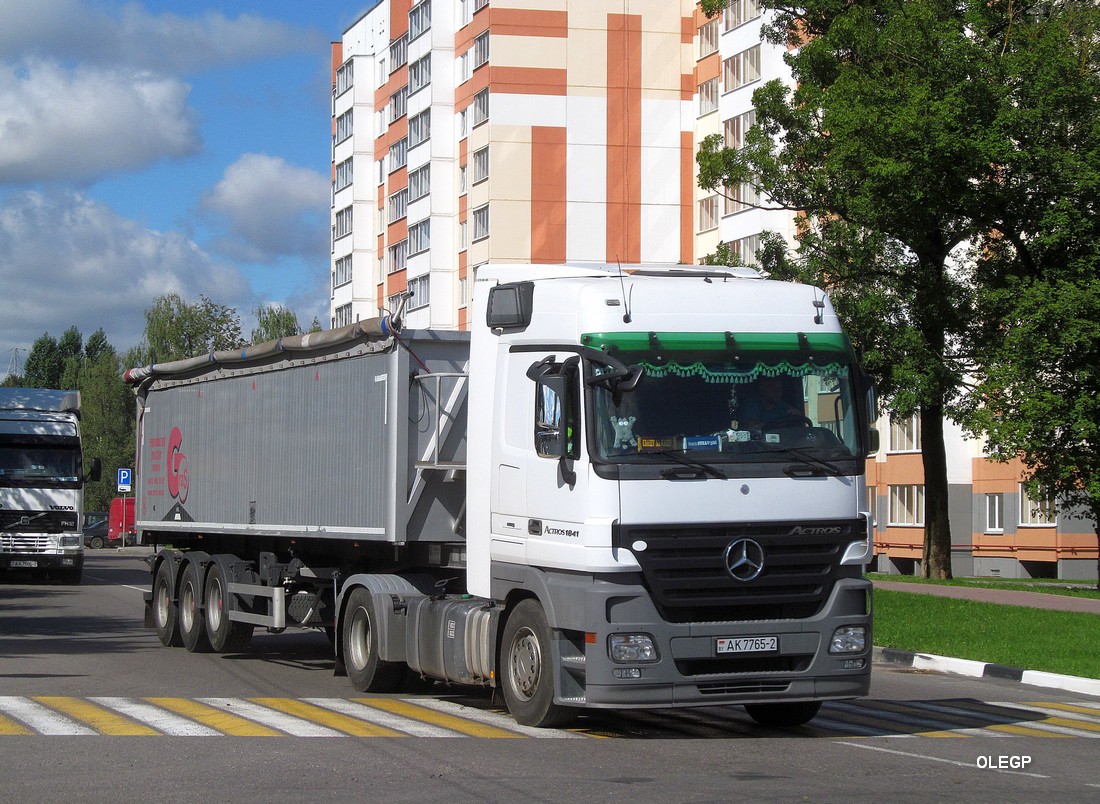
(548, 194)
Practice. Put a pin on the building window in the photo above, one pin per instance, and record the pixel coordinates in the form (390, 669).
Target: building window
(741, 68)
(344, 77)
(480, 107)
(343, 175)
(905, 433)
(399, 103)
(420, 183)
(480, 4)
(735, 129)
(463, 235)
(420, 18)
(420, 127)
(419, 237)
(745, 249)
(708, 97)
(1037, 513)
(708, 38)
(399, 52)
(342, 316)
(341, 272)
(907, 505)
(420, 74)
(708, 213)
(343, 126)
(738, 12)
(398, 205)
(398, 255)
(343, 223)
(481, 49)
(399, 154)
(419, 287)
(742, 197)
(994, 513)
(481, 223)
(479, 165)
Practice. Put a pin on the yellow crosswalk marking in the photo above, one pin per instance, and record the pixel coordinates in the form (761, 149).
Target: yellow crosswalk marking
(426, 715)
(8, 726)
(102, 720)
(335, 720)
(215, 718)
(1080, 710)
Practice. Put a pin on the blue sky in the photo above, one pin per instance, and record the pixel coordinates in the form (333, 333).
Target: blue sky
(159, 146)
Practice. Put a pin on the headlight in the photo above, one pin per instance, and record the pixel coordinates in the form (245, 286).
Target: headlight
(632, 648)
(69, 541)
(849, 639)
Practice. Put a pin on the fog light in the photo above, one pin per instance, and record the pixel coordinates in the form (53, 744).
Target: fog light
(626, 672)
(624, 648)
(849, 639)
(853, 664)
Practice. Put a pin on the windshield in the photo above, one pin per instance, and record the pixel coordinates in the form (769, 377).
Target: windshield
(728, 398)
(38, 464)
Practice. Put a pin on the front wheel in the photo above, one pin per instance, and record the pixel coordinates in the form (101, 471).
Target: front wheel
(359, 633)
(777, 715)
(527, 669)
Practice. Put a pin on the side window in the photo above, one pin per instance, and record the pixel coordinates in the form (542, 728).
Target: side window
(548, 420)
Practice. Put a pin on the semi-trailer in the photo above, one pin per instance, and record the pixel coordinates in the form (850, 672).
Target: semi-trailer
(622, 487)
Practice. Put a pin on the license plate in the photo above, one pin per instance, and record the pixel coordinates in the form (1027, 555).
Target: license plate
(750, 644)
(23, 564)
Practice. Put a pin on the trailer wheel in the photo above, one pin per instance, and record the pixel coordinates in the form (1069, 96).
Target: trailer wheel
(192, 623)
(527, 669)
(225, 635)
(777, 715)
(367, 672)
(165, 610)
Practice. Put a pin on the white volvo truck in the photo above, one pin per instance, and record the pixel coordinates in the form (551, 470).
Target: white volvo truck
(624, 487)
(42, 483)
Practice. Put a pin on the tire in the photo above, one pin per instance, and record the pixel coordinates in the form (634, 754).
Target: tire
(526, 669)
(225, 635)
(165, 610)
(779, 715)
(359, 638)
(192, 623)
(97, 543)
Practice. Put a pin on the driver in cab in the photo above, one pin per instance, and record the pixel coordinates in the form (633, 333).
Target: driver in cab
(766, 405)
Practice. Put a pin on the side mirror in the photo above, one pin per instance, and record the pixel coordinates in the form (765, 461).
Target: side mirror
(96, 471)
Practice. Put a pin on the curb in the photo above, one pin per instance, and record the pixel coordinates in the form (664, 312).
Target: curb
(975, 669)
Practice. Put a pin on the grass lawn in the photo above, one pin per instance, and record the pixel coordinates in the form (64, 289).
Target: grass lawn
(1048, 586)
(1033, 639)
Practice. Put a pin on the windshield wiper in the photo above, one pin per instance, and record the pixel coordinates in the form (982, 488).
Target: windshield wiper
(698, 466)
(821, 464)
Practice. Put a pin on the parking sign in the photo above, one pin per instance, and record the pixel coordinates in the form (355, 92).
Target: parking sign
(125, 476)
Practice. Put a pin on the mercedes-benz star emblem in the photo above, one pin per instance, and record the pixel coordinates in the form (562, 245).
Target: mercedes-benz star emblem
(744, 560)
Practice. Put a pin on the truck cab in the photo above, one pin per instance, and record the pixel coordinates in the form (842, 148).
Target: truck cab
(673, 466)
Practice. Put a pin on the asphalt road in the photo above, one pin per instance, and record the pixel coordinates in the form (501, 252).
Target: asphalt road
(93, 708)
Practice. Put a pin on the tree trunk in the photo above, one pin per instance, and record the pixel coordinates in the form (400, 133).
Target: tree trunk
(936, 561)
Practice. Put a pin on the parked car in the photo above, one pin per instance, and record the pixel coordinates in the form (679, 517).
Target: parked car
(95, 535)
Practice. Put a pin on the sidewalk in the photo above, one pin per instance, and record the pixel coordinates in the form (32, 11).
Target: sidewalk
(968, 667)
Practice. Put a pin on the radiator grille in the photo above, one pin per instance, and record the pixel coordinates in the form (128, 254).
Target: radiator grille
(685, 569)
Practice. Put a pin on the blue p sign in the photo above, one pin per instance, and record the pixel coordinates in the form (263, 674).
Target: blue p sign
(125, 476)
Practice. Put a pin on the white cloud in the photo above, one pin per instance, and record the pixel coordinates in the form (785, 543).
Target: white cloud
(271, 209)
(66, 260)
(81, 124)
(128, 34)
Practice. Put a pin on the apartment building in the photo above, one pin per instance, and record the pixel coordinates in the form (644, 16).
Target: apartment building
(473, 131)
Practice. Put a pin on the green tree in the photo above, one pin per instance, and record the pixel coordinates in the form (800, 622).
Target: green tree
(44, 365)
(905, 144)
(108, 412)
(273, 322)
(175, 329)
